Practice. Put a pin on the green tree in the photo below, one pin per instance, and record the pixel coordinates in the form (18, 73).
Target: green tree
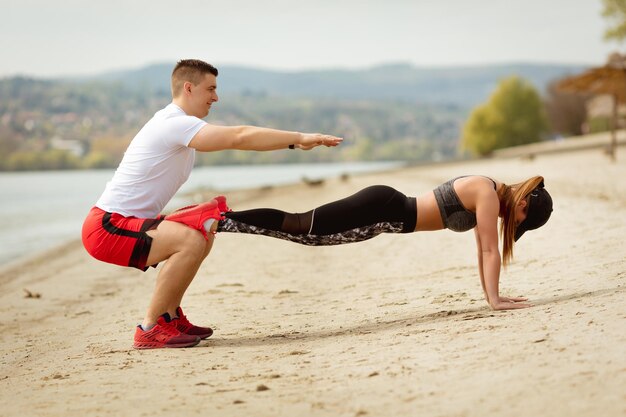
(97, 159)
(513, 115)
(615, 12)
(52, 159)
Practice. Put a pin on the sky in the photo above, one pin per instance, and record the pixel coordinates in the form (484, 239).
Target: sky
(43, 38)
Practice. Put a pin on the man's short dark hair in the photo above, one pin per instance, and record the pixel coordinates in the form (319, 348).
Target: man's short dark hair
(192, 70)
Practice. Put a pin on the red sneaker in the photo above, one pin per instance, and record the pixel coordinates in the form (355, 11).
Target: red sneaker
(221, 204)
(195, 216)
(184, 326)
(163, 335)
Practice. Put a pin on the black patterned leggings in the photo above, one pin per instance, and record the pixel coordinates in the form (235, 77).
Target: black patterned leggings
(364, 215)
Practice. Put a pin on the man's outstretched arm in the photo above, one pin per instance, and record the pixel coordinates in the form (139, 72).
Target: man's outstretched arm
(251, 138)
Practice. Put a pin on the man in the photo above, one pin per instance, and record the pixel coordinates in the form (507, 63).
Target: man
(125, 226)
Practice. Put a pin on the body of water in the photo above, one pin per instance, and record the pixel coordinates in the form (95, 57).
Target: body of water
(41, 210)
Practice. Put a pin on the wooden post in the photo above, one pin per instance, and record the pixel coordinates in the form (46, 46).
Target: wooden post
(613, 145)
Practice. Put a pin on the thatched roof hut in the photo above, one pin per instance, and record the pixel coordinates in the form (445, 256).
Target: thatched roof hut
(609, 79)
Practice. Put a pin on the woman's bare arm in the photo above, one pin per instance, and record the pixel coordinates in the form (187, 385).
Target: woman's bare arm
(487, 208)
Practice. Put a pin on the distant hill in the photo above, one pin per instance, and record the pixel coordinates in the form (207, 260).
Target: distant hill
(460, 86)
(389, 112)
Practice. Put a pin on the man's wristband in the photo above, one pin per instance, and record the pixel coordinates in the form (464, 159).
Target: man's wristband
(292, 146)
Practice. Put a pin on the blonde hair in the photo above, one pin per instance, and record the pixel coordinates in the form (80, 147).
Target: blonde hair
(192, 70)
(510, 196)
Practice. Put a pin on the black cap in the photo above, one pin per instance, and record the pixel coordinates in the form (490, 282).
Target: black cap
(538, 213)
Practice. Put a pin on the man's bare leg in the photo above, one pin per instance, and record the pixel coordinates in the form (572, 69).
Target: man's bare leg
(183, 249)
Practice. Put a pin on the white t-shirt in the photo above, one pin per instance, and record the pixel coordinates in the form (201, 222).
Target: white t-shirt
(157, 162)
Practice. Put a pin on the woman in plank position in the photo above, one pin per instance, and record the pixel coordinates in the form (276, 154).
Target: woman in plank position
(460, 204)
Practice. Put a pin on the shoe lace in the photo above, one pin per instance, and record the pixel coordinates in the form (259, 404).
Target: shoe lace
(182, 321)
(169, 328)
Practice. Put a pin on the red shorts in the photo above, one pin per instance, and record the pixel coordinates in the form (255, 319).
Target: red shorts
(119, 240)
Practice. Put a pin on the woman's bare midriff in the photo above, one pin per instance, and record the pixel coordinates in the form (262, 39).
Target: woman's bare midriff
(428, 215)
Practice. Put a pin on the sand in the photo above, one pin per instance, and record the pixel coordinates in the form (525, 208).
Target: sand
(395, 326)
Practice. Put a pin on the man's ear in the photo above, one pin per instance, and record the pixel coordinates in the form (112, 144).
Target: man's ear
(187, 87)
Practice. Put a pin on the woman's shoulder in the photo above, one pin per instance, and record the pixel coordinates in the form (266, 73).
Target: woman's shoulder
(477, 181)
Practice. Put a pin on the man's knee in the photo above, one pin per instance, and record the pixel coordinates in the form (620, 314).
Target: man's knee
(191, 240)
(208, 245)
(171, 237)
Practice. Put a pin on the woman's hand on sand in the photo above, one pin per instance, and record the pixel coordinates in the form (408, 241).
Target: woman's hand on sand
(510, 303)
(311, 140)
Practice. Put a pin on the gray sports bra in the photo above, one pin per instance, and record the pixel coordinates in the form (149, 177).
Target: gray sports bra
(453, 213)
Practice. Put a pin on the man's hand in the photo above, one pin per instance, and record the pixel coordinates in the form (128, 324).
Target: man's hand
(311, 140)
(509, 303)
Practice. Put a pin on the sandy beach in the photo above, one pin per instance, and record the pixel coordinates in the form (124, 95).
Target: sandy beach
(395, 326)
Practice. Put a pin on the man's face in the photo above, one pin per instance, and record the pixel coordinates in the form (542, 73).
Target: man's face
(204, 95)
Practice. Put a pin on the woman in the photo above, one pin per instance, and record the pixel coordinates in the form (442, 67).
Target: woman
(461, 204)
